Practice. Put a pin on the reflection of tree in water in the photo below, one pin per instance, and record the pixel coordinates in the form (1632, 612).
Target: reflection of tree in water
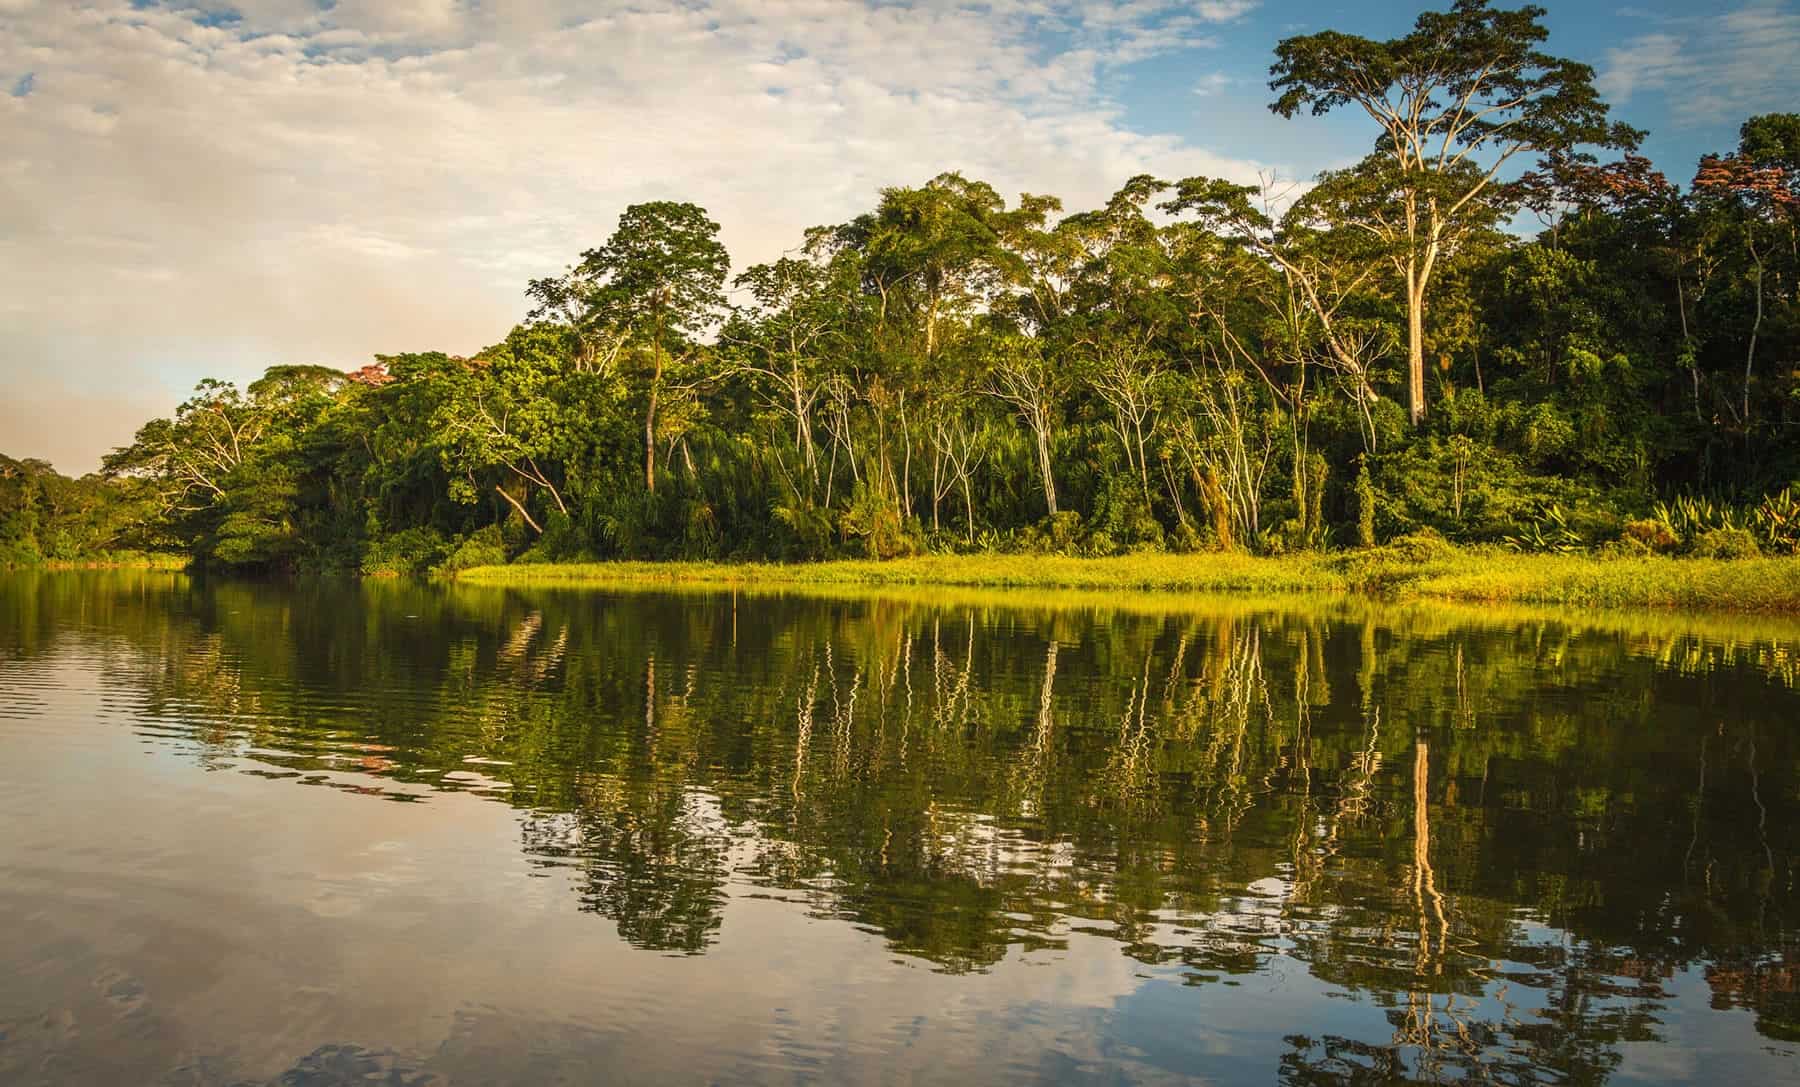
(1507, 837)
(649, 858)
(1769, 987)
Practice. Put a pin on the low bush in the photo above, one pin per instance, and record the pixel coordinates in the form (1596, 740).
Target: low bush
(1777, 522)
(1651, 535)
(1422, 545)
(413, 551)
(482, 548)
(1725, 543)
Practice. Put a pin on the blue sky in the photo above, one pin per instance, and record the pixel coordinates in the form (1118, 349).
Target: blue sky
(1686, 74)
(190, 192)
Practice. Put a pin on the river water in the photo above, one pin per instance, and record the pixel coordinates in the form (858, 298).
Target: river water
(331, 833)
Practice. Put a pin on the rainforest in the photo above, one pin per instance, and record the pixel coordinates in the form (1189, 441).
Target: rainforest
(1504, 329)
(1324, 630)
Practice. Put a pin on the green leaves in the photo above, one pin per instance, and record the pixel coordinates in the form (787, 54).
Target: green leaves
(1453, 101)
(948, 367)
(662, 270)
(1463, 78)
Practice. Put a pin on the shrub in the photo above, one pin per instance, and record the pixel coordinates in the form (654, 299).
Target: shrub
(874, 516)
(23, 552)
(1625, 547)
(1188, 538)
(412, 551)
(1650, 535)
(1548, 433)
(1423, 545)
(1690, 516)
(1053, 535)
(1548, 535)
(1777, 521)
(1365, 505)
(481, 548)
(1725, 543)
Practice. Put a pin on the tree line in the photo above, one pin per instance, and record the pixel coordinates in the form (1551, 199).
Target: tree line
(1196, 364)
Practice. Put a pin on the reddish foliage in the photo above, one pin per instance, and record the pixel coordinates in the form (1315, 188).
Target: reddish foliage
(1568, 181)
(373, 375)
(1735, 175)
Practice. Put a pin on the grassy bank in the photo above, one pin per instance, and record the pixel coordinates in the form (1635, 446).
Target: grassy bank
(1442, 573)
(1768, 585)
(124, 560)
(1182, 573)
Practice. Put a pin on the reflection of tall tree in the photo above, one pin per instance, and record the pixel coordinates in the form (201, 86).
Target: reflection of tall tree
(650, 858)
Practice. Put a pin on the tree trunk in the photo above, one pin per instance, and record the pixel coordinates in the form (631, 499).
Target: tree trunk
(937, 491)
(1043, 451)
(1755, 328)
(1143, 465)
(1415, 349)
(650, 411)
(906, 500)
(968, 509)
(1687, 343)
(1214, 496)
(516, 504)
(802, 431)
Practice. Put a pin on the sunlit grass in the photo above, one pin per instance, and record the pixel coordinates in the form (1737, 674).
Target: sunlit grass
(1185, 573)
(120, 560)
(1761, 585)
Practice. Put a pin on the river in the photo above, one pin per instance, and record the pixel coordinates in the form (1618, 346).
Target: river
(321, 833)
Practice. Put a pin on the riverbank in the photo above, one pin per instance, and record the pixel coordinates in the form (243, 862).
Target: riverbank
(125, 561)
(1767, 585)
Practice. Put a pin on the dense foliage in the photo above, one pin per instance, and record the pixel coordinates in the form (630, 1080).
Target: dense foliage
(1195, 364)
(48, 517)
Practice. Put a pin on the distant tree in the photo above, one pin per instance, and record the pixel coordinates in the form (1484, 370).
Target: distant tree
(192, 456)
(935, 251)
(1034, 387)
(658, 280)
(1570, 182)
(785, 339)
(1760, 184)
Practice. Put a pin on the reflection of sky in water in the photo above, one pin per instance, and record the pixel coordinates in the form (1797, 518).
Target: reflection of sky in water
(203, 873)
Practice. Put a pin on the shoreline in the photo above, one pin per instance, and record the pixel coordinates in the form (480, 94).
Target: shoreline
(1768, 586)
(169, 564)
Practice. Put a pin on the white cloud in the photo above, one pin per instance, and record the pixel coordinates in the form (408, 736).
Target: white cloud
(1212, 83)
(307, 185)
(1224, 11)
(1713, 68)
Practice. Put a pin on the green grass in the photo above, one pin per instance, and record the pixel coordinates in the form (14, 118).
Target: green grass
(115, 560)
(1432, 573)
(1179, 573)
(1757, 585)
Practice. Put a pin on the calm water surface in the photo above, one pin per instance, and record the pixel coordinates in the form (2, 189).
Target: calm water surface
(405, 834)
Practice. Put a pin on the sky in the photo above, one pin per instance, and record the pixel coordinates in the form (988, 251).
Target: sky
(191, 192)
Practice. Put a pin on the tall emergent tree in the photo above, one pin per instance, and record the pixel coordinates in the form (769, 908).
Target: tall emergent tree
(1456, 99)
(659, 279)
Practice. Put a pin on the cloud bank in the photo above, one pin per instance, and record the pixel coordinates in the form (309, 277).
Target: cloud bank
(190, 191)
(1709, 69)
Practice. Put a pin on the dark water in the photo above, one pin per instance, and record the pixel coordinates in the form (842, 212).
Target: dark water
(401, 834)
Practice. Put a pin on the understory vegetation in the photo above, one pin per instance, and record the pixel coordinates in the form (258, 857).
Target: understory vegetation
(1195, 366)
